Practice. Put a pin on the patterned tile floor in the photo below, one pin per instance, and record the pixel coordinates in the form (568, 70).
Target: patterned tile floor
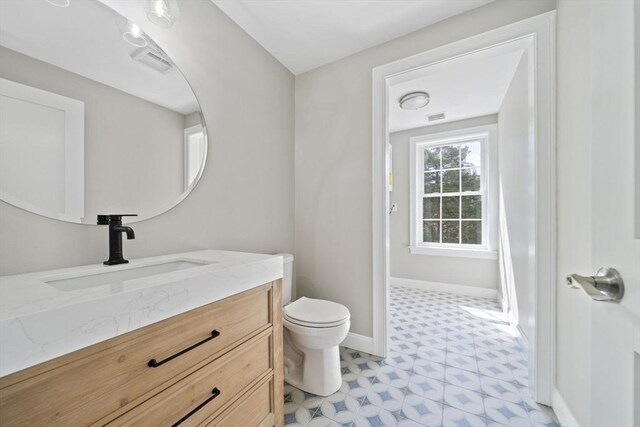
(454, 361)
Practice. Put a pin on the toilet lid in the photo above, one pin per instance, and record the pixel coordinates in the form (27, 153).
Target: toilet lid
(309, 311)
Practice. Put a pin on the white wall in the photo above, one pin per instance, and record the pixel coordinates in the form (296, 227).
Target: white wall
(475, 272)
(515, 160)
(333, 203)
(244, 200)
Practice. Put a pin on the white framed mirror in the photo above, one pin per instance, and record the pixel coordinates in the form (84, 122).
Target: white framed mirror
(95, 118)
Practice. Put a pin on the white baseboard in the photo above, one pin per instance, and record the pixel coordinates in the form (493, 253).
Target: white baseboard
(562, 411)
(445, 287)
(358, 342)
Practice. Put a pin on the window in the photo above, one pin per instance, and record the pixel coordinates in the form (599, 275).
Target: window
(452, 196)
(194, 155)
(449, 200)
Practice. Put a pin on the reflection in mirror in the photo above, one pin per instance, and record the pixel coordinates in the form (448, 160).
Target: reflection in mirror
(94, 116)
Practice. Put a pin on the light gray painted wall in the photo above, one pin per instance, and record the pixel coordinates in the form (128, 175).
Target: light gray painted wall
(334, 160)
(192, 119)
(244, 200)
(133, 148)
(481, 273)
(514, 154)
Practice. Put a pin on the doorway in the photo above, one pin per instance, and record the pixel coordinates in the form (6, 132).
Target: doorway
(534, 39)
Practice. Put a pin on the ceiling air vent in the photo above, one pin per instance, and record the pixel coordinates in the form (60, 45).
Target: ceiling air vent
(434, 117)
(153, 58)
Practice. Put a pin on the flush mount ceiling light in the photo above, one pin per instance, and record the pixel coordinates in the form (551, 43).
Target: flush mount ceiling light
(414, 100)
(59, 3)
(134, 35)
(162, 12)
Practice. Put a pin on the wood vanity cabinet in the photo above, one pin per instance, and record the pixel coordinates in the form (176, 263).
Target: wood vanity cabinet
(217, 365)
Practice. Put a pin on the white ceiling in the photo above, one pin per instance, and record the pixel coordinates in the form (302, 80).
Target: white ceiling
(85, 38)
(471, 86)
(305, 34)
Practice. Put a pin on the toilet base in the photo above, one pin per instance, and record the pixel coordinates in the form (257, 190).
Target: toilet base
(319, 373)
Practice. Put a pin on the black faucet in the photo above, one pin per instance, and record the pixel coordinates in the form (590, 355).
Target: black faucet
(115, 236)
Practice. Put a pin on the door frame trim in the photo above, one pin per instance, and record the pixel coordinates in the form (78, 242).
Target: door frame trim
(541, 29)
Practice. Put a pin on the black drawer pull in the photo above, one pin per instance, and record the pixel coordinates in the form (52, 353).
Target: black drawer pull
(214, 393)
(153, 363)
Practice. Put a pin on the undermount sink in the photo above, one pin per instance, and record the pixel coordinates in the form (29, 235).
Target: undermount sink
(117, 278)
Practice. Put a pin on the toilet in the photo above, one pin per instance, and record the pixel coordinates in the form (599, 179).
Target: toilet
(313, 331)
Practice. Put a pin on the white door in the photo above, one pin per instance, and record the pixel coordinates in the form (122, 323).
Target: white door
(598, 225)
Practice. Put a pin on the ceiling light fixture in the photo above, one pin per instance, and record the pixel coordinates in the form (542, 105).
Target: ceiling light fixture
(59, 3)
(162, 12)
(134, 35)
(414, 100)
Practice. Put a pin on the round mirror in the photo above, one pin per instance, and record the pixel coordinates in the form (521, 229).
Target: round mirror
(95, 118)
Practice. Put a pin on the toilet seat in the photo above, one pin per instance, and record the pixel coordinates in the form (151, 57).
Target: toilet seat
(313, 331)
(316, 313)
(315, 325)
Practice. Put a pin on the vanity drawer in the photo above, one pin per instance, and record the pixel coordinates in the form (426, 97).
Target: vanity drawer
(255, 408)
(195, 398)
(107, 379)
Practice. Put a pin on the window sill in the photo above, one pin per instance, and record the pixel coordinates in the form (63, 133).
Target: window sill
(455, 252)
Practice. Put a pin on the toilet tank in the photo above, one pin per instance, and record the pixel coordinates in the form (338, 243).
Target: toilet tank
(287, 278)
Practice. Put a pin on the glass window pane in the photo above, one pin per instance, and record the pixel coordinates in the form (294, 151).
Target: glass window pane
(471, 179)
(431, 231)
(431, 182)
(450, 231)
(432, 158)
(431, 208)
(472, 232)
(450, 156)
(451, 181)
(472, 207)
(451, 207)
(471, 154)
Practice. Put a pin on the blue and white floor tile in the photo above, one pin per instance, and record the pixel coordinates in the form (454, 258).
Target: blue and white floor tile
(453, 361)
(462, 378)
(426, 387)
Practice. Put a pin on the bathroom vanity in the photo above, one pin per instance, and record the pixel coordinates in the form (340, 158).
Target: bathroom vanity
(191, 339)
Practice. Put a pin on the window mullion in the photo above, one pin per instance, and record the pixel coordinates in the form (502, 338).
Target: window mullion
(460, 198)
(441, 193)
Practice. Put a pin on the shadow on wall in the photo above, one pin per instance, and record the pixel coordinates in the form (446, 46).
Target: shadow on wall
(505, 263)
(304, 286)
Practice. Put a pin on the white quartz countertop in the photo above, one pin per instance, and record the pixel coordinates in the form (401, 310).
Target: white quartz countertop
(41, 320)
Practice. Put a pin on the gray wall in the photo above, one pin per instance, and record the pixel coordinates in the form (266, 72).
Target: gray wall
(481, 273)
(333, 158)
(192, 119)
(515, 205)
(133, 148)
(244, 200)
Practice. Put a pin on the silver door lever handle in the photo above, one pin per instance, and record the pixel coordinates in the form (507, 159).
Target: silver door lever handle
(606, 285)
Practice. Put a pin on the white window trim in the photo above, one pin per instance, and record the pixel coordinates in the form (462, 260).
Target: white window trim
(199, 128)
(487, 133)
